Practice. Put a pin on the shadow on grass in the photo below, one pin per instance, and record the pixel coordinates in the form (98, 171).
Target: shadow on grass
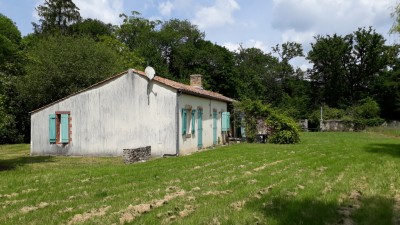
(387, 149)
(11, 164)
(288, 211)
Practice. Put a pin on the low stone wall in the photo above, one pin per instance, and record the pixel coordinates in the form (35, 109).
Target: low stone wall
(136, 154)
(336, 125)
(303, 124)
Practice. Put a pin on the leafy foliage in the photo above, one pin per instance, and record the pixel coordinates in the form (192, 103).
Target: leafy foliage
(61, 65)
(345, 68)
(56, 16)
(283, 129)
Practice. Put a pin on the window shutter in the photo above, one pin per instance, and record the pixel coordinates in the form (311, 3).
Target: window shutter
(225, 121)
(64, 128)
(228, 121)
(52, 128)
(193, 120)
(184, 121)
(224, 125)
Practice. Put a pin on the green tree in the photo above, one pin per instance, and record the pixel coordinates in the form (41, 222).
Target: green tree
(215, 63)
(11, 67)
(140, 35)
(62, 65)
(56, 16)
(345, 69)
(10, 54)
(258, 76)
(91, 27)
(177, 42)
(388, 87)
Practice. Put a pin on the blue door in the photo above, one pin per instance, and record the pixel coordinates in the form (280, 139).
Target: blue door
(214, 127)
(200, 128)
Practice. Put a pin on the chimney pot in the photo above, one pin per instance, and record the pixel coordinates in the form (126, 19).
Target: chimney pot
(195, 81)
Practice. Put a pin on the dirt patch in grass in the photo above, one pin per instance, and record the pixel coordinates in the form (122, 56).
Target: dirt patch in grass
(347, 210)
(171, 216)
(196, 189)
(267, 165)
(7, 203)
(67, 209)
(29, 190)
(134, 211)
(79, 218)
(214, 183)
(238, 205)
(252, 181)
(187, 211)
(329, 185)
(172, 188)
(27, 209)
(396, 210)
(218, 193)
(9, 195)
(263, 191)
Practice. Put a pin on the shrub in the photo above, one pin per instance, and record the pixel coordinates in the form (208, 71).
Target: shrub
(284, 129)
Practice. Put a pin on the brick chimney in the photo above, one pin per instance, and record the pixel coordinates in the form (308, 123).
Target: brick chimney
(195, 81)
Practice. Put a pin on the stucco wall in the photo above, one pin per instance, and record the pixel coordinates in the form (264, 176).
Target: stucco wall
(188, 144)
(127, 112)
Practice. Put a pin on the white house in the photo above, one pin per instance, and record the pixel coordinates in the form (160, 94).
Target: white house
(129, 110)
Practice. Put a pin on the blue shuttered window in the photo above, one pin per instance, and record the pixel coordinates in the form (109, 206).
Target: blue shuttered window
(52, 128)
(64, 128)
(184, 121)
(193, 121)
(225, 121)
(59, 128)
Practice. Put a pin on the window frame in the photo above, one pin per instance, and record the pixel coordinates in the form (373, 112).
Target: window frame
(60, 127)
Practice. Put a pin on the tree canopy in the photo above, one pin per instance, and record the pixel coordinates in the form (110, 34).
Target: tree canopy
(56, 16)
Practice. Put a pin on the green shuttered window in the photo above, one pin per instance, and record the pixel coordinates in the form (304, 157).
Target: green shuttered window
(184, 121)
(193, 121)
(59, 128)
(64, 128)
(52, 128)
(225, 121)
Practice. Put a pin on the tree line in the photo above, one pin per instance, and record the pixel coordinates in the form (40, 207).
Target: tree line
(352, 76)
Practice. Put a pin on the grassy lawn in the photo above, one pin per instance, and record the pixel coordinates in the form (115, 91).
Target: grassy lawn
(329, 178)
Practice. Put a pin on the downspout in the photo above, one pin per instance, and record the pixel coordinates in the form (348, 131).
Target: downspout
(179, 92)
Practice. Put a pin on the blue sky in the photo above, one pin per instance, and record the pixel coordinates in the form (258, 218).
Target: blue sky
(252, 23)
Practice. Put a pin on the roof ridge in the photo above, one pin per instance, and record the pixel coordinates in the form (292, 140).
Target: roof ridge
(171, 83)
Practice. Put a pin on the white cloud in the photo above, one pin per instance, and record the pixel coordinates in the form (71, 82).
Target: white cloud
(301, 20)
(218, 15)
(248, 44)
(231, 46)
(165, 8)
(298, 36)
(35, 15)
(105, 10)
(341, 16)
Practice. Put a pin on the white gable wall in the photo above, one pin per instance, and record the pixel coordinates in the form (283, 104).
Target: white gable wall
(189, 143)
(127, 112)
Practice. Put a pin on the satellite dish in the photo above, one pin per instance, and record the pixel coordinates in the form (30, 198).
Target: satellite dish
(150, 72)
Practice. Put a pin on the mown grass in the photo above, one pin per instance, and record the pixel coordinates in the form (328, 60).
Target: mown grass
(329, 178)
(389, 131)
